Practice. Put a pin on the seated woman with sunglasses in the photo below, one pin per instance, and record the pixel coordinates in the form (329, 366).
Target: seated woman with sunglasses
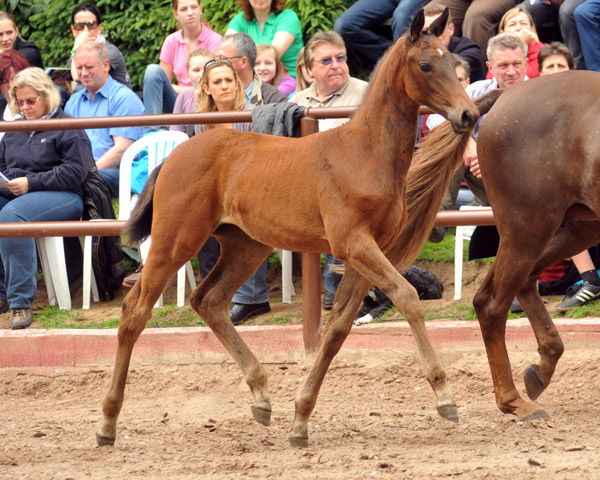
(86, 24)
(221, 90)
(45, 172)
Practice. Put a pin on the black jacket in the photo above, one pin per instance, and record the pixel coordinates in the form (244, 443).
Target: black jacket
(470, 51)
(51, 160)
(30, 51)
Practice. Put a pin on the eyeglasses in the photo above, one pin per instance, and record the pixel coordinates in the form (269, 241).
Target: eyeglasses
(91, 25)
(230, 58)
(30, 101)
(326, 62)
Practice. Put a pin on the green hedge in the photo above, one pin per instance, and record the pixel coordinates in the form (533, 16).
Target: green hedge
(138, 28)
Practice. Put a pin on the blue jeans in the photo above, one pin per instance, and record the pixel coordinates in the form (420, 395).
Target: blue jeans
(587, 18)
(331, 279)
(255, 289)
(18, 265)
(356, 25)
(111, 178)
(159, 95)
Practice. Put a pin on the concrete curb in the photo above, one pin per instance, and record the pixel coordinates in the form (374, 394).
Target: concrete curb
(272, 343)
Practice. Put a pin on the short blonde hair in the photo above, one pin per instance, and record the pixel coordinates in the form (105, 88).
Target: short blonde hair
(515, 11)
(37, 79)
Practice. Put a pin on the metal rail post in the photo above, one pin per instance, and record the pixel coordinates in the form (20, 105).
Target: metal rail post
(311, 277)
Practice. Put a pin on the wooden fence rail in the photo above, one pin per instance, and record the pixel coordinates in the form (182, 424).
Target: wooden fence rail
(311, 267)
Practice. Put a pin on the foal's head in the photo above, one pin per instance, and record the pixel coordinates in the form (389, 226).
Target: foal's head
(430, 77)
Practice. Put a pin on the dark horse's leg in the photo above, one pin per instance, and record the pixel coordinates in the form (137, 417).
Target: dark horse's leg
(160, 266)
(348, 299)
(240, 257)
(514, 271)
(569, 240)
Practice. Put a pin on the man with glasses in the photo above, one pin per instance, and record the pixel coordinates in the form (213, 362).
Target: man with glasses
(240, 50)
(326, 60)
(86, 24)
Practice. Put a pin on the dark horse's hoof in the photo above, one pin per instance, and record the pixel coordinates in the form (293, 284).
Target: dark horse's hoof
(533, 382)
(103, 441)
(449, 412)
(262, 416)
(299, 442)
(537, 415)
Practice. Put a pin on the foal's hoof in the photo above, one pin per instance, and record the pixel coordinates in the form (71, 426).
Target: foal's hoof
(537, 415)
(299, 442)
(449, 412)
(533, 382)
(262, 415)
(103, 440)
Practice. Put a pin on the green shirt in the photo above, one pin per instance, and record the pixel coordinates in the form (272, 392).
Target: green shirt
(286, 21)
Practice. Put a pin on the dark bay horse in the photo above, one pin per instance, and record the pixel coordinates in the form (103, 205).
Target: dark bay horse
(539, 151)
(341, 191)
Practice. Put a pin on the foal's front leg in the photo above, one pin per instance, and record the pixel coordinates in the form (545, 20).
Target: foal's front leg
(371, 263)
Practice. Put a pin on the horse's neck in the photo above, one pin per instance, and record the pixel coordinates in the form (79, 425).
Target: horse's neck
(388, 113)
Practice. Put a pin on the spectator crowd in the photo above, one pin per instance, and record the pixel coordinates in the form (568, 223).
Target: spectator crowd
(261, 58)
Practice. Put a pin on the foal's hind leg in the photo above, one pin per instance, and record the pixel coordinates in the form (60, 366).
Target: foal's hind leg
(137, 309)
(239, 259)
(348, 299)
(569, 240)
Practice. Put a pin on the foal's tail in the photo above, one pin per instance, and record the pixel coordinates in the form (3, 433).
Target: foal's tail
(428, 178)
(140, 222)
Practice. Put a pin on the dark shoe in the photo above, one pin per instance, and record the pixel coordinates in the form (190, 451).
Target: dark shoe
(579, 295)
(130, 280)
(516, 306)
(240, 312)
(4, 306)
(20, 318)
(328, 300)
(437, 234)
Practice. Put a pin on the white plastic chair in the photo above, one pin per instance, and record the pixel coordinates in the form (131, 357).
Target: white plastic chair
(159, 145)
(458, 251)
(287, 284)
(52, 257)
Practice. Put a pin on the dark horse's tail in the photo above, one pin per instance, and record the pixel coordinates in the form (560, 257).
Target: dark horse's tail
(428, 178)
(139, 225)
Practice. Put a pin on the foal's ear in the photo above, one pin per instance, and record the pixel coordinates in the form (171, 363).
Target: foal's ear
(439, 24)
(417, 25)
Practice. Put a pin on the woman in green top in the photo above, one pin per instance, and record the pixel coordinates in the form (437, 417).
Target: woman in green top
(268, 21)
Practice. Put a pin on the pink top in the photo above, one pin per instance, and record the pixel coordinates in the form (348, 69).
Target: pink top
(175, 51)
(287, 85)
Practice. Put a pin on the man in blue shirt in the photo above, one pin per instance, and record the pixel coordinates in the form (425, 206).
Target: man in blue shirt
(104, 97)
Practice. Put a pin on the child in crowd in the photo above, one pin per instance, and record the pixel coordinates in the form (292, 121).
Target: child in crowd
(271, 70)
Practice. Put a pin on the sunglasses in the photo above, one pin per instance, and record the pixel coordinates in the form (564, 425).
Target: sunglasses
(91, 25)
(219, 61)
(30, 101)
(326, 62)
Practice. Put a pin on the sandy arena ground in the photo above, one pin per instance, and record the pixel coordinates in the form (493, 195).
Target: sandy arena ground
(375, 418)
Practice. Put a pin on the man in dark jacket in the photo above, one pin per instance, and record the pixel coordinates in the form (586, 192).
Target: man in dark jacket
(462, 46)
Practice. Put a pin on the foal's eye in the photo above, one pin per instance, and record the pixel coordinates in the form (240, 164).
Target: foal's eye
(425, 67)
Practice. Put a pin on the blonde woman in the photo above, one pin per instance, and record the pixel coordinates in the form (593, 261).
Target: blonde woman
(221, 90)
(519, 22)
(44, 172)
(304, 79)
